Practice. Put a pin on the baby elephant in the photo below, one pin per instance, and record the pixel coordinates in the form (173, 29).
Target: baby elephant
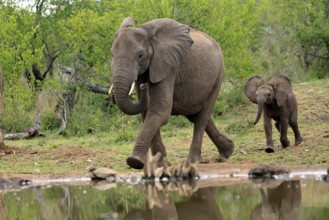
(277, 101)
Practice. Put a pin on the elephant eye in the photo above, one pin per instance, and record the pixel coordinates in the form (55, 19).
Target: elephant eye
(140, 55)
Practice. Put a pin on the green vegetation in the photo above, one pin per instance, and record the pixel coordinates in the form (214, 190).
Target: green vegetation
(68, 154)
(43, 41)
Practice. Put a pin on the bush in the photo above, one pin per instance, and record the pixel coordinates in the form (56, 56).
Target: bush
(18, 106)
(179, 121)
(124, 127)
(230, 95)
(240, 127)
(49, 122)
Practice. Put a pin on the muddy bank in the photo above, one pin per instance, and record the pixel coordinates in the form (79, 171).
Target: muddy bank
(210, 175)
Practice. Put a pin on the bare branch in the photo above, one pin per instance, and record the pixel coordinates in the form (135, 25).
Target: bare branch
(96, 88)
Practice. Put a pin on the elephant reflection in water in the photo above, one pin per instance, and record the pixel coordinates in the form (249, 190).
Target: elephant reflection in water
(280, 202)
(200, 205)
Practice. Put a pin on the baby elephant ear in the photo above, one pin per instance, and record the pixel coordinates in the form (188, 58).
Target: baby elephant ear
(282, 89)
(171, 44)
(127, 22)
(251, 87)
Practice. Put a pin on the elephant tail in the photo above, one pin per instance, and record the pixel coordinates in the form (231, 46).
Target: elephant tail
(224, 145)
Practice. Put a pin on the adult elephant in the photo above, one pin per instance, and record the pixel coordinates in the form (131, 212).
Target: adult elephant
(178, 71)
(277, 101)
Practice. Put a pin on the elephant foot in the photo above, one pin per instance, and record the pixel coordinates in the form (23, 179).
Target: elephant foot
(226, 149)
(298, 141)
(269, 149)
(285, 143)
(194, 158)
(135, 162)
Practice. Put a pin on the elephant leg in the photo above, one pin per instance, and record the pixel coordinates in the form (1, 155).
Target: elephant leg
(294, 125)
(268, 133)
(158, 113)
(283, 132)
(224, 145)
(148, 133)
(198, 131)
(201, 121)
(158, 146)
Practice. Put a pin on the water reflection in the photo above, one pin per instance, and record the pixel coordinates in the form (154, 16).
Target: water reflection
(200, 205)
(279, 201)
(273, 200)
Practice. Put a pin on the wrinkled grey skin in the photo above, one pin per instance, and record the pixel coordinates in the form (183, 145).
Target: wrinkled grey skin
(281, 202)
(276, 100)
(178, 71)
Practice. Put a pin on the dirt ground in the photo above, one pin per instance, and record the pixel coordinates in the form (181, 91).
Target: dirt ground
(313, 108)
(313, 102)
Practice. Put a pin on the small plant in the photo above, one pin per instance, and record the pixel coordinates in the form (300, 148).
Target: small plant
(220, 106)
(229, 97)
(123, 128)
(179, 121)
(239, 127)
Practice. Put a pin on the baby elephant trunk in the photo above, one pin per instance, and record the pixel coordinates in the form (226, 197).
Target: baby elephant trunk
(260, 110)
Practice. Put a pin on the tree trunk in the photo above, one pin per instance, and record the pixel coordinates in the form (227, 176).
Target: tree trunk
(1, 95)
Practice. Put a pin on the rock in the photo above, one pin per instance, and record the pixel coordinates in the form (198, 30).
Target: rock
(7, 182)
(103, 173)
(266, 171)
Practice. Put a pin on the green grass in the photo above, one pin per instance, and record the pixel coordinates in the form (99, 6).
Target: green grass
(63, 155)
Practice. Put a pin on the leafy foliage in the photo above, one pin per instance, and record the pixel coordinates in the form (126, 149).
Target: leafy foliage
(257, 37)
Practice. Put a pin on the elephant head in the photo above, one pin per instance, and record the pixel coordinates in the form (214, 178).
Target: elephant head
(150, 51)
(274, 92)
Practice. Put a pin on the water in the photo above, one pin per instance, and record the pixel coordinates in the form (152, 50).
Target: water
(240, 198)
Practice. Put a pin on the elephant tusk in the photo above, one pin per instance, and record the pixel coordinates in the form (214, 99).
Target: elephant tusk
(132, 88)
(110, 90)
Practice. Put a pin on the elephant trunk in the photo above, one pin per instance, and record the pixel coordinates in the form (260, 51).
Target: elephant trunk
(260, 103)
(121, 88)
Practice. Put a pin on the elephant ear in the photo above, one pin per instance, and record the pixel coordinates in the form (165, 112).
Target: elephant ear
(127, 22)
(282, 89)
(251, 87)
(171, 45)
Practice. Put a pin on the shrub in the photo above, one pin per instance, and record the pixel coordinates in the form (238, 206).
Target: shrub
(49, 122)
(18, 106)
(179, 121)
(240, 127)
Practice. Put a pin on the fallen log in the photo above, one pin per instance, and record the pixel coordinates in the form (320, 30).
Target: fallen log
(28, 133)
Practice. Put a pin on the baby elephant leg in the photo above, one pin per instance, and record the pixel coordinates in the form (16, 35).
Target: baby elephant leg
(294, 125)
(283, 133)
(268, 133)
